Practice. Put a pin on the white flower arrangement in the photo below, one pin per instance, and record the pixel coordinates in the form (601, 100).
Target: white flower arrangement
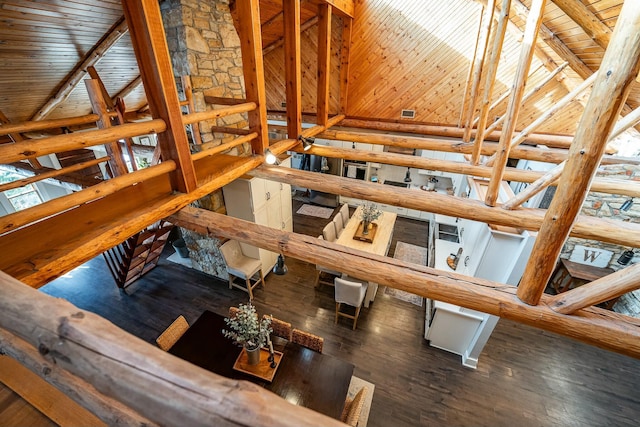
(246, 330)
(370, 212)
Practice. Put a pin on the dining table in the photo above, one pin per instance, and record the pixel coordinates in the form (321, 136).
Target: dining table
(303, 377)
(379, 245)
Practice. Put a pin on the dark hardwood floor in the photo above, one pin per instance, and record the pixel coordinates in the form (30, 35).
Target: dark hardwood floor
(525, 376)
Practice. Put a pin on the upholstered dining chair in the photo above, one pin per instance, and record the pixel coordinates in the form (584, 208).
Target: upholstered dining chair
(280, 328)
(173, 333)
(353, 408)
(350, 292)
(241, 266)
(321, 270)
(329, 232)
(338, 224)
(306, 339)
(344, 211)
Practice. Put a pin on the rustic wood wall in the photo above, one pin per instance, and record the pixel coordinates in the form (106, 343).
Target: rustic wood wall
(412, 55)
(274, 71)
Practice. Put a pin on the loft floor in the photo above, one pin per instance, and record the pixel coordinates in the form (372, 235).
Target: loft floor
(525, 376)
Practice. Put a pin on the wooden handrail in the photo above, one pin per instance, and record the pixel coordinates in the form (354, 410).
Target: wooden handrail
(159, 386)
(10, 153)
(51, 174)
(31, 126)
(191, 118)
(54, 206)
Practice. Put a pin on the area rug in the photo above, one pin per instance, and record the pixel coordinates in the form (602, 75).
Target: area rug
(317, 211)
(354, 387)
(409, 253)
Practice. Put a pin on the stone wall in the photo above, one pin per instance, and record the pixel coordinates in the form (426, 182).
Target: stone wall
(608, 206)
(203, 43)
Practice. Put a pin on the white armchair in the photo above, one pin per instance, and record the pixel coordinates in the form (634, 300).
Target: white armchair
(350, 292)
(241, 266)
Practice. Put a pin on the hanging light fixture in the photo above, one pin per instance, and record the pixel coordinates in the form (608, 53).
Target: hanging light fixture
(280, 268)
(407, 177)
(270, 158)
(626, 205)
(306, 142)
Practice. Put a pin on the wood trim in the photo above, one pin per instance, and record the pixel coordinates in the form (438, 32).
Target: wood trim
(534, 20)
(150, 46)
(609, 93)
(92, 57)
(594, 326)
(253, 69)
(324, 63)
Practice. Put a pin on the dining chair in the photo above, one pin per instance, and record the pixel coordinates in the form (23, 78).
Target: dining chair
(350, 292)
(338, 224)
(241, 266)
(344, 211)
(307, 339)
(233, 312)
(173, 333)
(329, 232)
(280, 328)
(321, 270)
(353, 408)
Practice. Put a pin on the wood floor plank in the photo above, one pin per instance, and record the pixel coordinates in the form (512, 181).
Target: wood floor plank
(525, 376)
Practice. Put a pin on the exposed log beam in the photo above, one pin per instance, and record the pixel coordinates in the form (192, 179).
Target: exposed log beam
(93, 73)
(210, 149)
(619, 67)
(92, 57)
(603, 185)
(159, 386)
(128, 89)
(540, 184)
(324, 63)
(253, 70)
(218, 112)
(513, 109)
(17, 137)
(150, 46)
(490, 72)
(31, 126)
(598, 291)
(587, 20)
(595, 326)
(292, 68)
(586, 227)
(482, 42)
(210, 99)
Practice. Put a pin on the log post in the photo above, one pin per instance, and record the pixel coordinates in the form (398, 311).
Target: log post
(292, 68)
(513, 109)
(490, 80)
(150, 45)
(469, 104)
(619, 68)
(598, 291)
(324, 63)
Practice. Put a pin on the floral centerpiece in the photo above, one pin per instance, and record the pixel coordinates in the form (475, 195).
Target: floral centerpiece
(246, 330)
(368, 214)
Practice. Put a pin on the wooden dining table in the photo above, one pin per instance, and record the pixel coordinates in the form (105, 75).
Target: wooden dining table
(379, 246)
(304, 377)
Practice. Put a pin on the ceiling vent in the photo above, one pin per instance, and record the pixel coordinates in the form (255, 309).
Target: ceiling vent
(408, 114)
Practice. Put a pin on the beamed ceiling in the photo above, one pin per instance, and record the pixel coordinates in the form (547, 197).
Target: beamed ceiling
(404, 55)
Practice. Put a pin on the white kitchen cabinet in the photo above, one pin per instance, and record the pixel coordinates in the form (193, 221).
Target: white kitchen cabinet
(264, 202)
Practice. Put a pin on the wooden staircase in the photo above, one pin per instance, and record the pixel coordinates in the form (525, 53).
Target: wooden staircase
(138, 254)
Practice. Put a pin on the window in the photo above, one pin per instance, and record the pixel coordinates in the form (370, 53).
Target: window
(21, 197)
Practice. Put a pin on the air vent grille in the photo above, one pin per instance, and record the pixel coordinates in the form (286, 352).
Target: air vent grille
(408, 114)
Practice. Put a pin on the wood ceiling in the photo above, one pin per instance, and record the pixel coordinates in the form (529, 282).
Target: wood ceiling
(404, 55)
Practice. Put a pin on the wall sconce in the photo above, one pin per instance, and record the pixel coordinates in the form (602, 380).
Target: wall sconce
(270, 158)
(280, 268)
(306, 142)
(626, 205)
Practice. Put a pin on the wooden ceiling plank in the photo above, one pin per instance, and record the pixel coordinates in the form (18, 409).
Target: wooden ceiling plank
(292, 67)
(128, 89)
(534, 20)
(621, 62)
(587, 20)
(150, 46)
(253, 70)
(491, 69)
(324, 63)
(92, 57)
